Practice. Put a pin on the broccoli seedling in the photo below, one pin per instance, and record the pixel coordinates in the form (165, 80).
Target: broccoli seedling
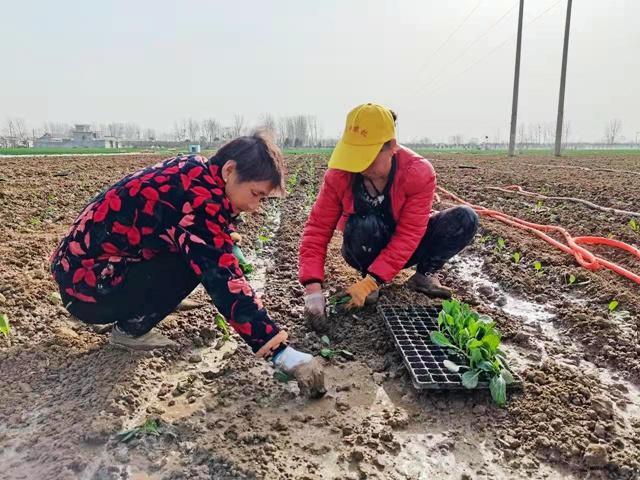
(517, 257)
(149, 427)
(538, 267)
(328, 352)
(477, 340)
(223, 326)
(5, 327)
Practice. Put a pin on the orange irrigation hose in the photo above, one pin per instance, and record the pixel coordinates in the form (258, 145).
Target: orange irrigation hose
(583, 256)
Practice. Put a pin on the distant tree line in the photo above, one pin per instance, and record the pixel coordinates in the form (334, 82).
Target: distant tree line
(289, 132)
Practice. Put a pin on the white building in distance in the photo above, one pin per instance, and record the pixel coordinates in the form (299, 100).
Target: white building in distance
(81, 137)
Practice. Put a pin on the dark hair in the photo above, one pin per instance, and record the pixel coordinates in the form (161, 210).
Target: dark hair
(395, 119)
(257, 158)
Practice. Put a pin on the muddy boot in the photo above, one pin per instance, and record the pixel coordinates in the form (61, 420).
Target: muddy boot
(429, 285)
(149, 341)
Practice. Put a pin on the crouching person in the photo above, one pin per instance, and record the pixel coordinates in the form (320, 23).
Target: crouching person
(379, 194)
(139, 248)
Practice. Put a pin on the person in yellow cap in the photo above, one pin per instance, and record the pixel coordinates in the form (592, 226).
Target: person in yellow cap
(379, 194)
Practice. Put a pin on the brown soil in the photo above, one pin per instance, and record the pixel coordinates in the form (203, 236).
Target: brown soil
(67, 393)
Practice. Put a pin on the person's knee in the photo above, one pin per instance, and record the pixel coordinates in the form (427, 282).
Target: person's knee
(469, 220)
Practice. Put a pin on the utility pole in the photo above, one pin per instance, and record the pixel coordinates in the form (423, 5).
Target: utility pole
(563, 78)
(516, 85)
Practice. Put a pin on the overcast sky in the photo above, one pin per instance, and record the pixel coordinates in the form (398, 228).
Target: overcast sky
(152, 62)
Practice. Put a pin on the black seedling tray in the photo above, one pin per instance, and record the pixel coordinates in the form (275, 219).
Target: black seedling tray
(410, 326)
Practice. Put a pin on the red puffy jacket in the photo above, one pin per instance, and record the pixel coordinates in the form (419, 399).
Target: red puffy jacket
(411, 199)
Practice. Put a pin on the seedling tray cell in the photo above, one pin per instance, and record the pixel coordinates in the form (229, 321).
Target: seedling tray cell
(410, 326)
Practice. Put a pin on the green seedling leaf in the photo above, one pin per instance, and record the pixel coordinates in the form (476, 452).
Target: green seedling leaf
(327, 353)
(470, 378)
(247, 268)
(5, 328)
(452, 367)
(538, 268)
(486, 366)
(517, 257)
(491, 341)
(150, 426)
(223, 326)
(263, 239)
(538, 206)
(500, 245)
(339, 299)
(439, 339)
(613, 304)
(635, 225)
(55, 298)
(346, 354)
(507, 376)
(498, 388)
(128, 435)
(324, 339)
(282, 377)
(571, 280)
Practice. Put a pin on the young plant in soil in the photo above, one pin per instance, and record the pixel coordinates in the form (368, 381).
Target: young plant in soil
(328, 353)
(149, 427)
(517, 256)
(634, 225)
(538, 268)
(538, 207)
(570, 279)
(615, 313)
(335, 303)
(5, 327)
(500, 245)
(223, 326)
(476, 339)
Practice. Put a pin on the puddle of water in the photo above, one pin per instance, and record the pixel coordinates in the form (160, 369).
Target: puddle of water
(535, 316)
(470, 269)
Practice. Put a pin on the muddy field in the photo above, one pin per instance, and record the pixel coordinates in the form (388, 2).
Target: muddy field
(66, 393)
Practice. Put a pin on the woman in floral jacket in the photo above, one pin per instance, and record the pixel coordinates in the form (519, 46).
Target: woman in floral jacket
(139, 248)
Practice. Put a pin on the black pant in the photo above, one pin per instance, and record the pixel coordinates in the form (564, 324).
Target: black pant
(151, 290)
(448, 232)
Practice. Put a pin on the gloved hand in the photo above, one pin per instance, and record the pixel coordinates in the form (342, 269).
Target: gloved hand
(304, 368)
(236, 237)
(359, 291)
(314, 311)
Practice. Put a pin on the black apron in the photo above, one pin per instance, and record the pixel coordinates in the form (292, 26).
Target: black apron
(368, 230)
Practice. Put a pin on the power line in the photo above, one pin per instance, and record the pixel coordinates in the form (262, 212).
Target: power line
(466, 49)
(492, 51)
(440, 47)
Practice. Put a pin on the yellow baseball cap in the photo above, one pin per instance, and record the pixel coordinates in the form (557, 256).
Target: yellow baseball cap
(369, 126)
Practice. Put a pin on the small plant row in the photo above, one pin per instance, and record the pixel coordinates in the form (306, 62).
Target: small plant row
(517, 257)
